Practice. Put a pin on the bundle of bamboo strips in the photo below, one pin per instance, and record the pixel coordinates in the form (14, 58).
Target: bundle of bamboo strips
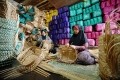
(109, 52)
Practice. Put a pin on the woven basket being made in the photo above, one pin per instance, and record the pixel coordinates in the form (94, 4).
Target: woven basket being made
(31, 57)
(67, 54)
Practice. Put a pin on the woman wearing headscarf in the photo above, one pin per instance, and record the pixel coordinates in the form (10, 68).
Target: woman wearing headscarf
(42, 38)
(79, 42)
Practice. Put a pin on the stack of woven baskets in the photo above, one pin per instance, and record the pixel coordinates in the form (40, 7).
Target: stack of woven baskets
(8, 26)
(7, 33)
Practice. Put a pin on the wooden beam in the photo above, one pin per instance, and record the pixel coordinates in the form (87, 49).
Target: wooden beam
(43, 1)
(60, 3)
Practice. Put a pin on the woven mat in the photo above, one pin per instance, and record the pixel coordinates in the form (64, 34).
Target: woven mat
(76, 71)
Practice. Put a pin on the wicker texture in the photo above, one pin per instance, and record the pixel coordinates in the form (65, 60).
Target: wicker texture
(109, 52)
(67, 54)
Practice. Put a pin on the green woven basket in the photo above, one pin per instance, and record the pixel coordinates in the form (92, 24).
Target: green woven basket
(92, 22)
(99, 19)
(95, 20)
(86, 16)
(75, 18)
(79, 11)
(93, 7)
(85, 23)
(71, 31)
(80, 22)
(72, 12)
(80, 5)
(87, 10)
(70, 19)
(71, 7)
(78, 17)
(81, 16)
(90, 10)
(94, 1)
(88, 22)
(84, 11)
(97, 13)
(87, 3)
(76, 6)
(97, 5)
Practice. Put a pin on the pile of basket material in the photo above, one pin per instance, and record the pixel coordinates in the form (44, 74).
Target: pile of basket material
(109, 51)
(8, 29)
(32, 25)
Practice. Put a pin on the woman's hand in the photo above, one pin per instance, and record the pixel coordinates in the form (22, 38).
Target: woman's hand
(67, 45)
(43, 41)
(73, 46)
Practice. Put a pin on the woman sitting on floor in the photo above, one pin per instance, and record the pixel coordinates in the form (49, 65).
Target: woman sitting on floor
(79, 41)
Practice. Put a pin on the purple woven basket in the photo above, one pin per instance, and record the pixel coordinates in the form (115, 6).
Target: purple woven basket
(57, 17)
(63, 14)
(55, 27)
(57, 36)
(59, 21)
(65, 19)
(58, 26)
(54, 37)
(63, 36)
(62, 26)
(67, 14)
(54, 17)
(50, 23)
(60, 16)
(60, 31)
(60, 11)
(55, 21)
(60, 36)
(55, 31)
(67, 35)
(66, 24)
(66, 30)
(66, 8)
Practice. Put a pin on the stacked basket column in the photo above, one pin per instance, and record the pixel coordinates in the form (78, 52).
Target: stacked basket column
(59, 27)
(7, 34)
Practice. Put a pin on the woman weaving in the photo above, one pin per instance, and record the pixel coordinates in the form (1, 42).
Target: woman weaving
(79, 42)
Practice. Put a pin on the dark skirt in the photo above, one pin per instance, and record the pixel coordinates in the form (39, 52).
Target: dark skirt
(85, 58)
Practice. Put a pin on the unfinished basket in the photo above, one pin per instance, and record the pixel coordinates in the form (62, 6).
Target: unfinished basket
(109, 52)
(67, 54)
(29, 58)
(32, 57)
